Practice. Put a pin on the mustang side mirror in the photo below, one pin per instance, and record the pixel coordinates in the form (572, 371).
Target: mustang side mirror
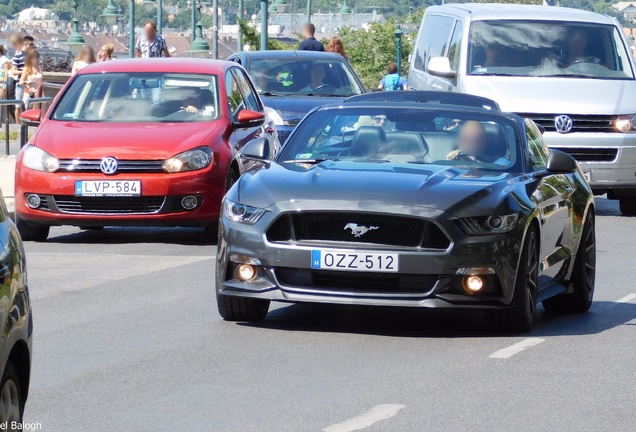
(31, 117)
(541, 128)
(560, 162)
(441, 67)
(257, 149)
(249, 118)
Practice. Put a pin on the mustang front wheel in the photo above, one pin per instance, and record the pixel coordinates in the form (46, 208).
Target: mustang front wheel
(241, 309)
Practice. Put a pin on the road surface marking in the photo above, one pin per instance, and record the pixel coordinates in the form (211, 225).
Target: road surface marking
(374, 415)
(516, 348)
(627, 298)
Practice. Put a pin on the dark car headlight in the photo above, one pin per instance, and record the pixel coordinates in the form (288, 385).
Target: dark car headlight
(242, 213)
(190, 160)
(494, 224)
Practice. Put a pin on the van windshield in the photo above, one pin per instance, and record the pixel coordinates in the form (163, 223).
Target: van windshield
(547, 49)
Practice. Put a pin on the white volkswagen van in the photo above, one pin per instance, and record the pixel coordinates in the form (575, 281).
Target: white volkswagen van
(569, 70)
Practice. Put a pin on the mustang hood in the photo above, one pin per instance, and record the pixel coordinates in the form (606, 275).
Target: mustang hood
(438, 187)
(556, 95)
(124, 141)
(295, 107)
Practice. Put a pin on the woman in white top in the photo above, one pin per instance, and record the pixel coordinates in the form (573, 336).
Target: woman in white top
(85, 57)
(5, 66)
(31, 77)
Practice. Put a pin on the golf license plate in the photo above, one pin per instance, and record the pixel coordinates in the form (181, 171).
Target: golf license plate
(97, 188)
(354, 261)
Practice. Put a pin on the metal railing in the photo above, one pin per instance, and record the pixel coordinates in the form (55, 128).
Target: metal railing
(6, 104)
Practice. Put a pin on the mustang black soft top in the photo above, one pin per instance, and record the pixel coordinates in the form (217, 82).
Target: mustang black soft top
(429, 97)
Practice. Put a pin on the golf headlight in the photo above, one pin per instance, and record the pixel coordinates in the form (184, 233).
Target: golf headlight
(495, 224)
(274, 116)
(242, 213)
(39, 160)
(625, 123)
(190, 160)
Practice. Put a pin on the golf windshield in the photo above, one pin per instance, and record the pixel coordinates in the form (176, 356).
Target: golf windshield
(547, 48)
(140, 97)
(403, 136)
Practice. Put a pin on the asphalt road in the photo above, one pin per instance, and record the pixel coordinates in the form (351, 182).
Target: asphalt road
(127, 338)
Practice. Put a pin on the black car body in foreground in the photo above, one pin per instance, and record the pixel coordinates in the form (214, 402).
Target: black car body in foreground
(292, 83)
(17, 324)
(410, 199)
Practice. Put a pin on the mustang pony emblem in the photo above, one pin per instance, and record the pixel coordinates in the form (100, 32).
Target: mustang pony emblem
(359, 231)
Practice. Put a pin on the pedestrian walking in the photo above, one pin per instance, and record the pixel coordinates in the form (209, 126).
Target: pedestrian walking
(393, 81)
(29, 43)
(14, 89)
(4, 72)
(106, 52)
(151, 44)
(31, 78)
(85, 57)
(310, 43)
(335, 45)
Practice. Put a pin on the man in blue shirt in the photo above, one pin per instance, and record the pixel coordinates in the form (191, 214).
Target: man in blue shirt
(393, 81)
(310, 43)
(151, 44)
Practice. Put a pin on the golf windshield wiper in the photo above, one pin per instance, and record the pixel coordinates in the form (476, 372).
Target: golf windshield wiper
(310, 161)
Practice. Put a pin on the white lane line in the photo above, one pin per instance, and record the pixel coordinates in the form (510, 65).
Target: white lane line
(627, 298)
(374, 415)
(516, 348)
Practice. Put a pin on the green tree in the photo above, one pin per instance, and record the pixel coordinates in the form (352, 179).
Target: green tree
(252, 38)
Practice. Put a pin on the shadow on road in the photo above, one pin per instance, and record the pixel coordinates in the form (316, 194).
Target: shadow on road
(408, 322)
(123, 235)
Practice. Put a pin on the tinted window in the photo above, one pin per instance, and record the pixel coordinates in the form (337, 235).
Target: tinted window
(234, 96)
(250, 98)
(433, 39)
(455, 46)
(537, 149)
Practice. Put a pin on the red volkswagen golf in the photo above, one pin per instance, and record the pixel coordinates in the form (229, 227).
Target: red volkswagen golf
(139, 142)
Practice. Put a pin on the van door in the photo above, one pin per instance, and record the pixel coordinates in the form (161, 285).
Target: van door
(434, 39)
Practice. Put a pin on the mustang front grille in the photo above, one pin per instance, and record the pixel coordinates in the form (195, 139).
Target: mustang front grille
(580, 123)
(109, 205)
(123, 166)
(352, 227)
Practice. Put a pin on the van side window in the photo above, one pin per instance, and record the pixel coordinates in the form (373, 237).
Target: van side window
(455, 46)
(537, 149)
(433, 40)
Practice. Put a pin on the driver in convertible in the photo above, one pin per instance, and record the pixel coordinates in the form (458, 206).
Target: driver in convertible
(473, 145)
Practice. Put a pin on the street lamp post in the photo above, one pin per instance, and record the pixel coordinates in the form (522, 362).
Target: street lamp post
(194, 19)
(308, 11)
(131, 29)
(199, 47)
(75, 41)
(215, 30)
(239, 37)
(398, 35)
(149, 5)
(110, 13)
(264, 19)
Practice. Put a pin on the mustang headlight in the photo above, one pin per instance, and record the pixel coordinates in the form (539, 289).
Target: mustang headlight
(625, 123)
(190, 160)
(274, 116)
(39, 160)
(495, 224)
(242, 213)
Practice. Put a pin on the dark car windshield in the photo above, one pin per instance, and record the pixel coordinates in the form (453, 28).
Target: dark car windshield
(403, 135)
(547, 48)
(140, 97)
(294, 76)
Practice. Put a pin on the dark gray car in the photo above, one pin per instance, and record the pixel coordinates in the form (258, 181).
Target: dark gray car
(408, 199)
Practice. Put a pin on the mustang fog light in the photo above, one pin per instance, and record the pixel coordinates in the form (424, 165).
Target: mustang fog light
(33, 201)
(189, 202)
(246, 272)
(473, 283)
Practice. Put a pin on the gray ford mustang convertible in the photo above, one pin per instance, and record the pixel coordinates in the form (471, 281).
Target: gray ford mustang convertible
(414, 199)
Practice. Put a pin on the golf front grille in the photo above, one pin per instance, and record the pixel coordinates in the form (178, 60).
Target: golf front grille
(109, 205)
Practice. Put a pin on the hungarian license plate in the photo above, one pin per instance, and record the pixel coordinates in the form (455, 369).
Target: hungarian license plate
(354, 261)
(97, 188)
(587, 175)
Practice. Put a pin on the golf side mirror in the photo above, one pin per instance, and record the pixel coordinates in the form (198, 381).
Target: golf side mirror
(249, 118)
(31, 117)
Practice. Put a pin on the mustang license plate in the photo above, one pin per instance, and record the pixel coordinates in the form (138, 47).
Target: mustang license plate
(97, 188)
(354, 260)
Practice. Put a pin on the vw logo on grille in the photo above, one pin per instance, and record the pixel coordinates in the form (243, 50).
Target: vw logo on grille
(563, 124)
(108, 165)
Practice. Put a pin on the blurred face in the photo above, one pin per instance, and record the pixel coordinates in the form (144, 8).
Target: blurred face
(494, 54)
(472, 139)
(317, 74)
(577, 44)
(150, 32)
(192, 98)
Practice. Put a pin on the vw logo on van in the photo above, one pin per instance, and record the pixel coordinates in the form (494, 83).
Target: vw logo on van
(563, 124)
(108, 165)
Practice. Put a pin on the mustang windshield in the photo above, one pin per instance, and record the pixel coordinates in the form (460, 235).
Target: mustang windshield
(292, 76)
(402, 135)
(140, 97)
(547, 48)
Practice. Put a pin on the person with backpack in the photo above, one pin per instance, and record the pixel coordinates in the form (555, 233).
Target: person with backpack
(392, 81)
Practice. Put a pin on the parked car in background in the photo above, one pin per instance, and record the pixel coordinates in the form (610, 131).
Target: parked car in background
(291, 83)
(569, 70)
(17, 323)
(410, 199)
(139, 142)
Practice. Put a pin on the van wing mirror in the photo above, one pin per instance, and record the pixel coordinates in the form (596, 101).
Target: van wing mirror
(441, 67)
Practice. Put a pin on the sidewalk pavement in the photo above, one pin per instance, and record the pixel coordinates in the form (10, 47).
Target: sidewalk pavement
(7, 173)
